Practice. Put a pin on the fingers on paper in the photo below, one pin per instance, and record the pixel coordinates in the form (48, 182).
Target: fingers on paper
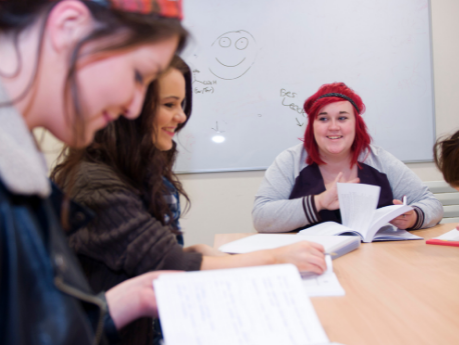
(314, 259)
(316, 264)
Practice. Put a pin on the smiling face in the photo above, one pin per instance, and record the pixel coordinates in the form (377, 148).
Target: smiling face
(109, 86)
(232, 54)
(170, 112)
(115, 85)
(334, 129)
(74, 98)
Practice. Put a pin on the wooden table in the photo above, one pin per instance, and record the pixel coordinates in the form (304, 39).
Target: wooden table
(399, 292)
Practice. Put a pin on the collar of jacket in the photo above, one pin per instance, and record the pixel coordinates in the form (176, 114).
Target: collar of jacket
(22, 166)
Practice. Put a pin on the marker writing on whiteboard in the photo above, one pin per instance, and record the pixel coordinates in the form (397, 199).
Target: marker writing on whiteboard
(288, 94)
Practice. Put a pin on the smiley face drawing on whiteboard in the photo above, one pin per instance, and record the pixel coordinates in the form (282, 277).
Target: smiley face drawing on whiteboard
(232, 54)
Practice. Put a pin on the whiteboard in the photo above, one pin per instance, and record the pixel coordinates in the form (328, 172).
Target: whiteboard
(255, 62)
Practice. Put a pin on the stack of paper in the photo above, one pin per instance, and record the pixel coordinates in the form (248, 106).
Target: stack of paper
(254, 305)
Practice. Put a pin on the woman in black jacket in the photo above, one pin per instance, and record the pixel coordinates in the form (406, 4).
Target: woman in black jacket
(71, 67)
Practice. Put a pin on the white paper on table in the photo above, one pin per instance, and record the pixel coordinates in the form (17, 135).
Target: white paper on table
(270, 241)
(452, 235)
(326, 284)
(252, 305)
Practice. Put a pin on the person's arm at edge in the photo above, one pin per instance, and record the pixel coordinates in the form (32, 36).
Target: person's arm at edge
(133, 299)
(273, 211)
(404, 181)
(307, 256)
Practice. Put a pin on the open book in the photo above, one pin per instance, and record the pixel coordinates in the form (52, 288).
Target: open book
(360, 216)
(245, 306)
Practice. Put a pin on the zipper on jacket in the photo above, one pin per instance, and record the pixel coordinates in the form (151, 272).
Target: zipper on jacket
(58, 281)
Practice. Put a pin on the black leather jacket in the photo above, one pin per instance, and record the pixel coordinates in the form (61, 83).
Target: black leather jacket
(44, 297)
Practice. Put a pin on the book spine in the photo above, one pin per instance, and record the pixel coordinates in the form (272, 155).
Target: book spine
(346, 249)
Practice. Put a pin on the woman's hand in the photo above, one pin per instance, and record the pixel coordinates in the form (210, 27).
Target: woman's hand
(204, 249)
(328, 200)
(307, 256)
(405, 220)
(133, 299)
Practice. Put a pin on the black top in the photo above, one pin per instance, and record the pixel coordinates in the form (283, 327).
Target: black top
(311, 182)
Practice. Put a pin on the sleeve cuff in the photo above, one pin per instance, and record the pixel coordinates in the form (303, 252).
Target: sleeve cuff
(420, 218)
(310, 211)
(177, 259)
(110, 331)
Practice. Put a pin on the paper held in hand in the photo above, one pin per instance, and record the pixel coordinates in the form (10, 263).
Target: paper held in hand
(360, 216)
(244, 306)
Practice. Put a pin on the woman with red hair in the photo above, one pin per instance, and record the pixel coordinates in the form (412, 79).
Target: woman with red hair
(299, 188)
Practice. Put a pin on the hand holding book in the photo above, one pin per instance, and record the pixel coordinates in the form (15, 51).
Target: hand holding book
(405, 220)
(360, 216)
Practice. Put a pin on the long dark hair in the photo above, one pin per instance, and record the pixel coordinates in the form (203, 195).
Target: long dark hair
(127, 147)
(131, 29)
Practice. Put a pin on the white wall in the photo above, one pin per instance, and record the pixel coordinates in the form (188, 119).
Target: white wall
(222, 202)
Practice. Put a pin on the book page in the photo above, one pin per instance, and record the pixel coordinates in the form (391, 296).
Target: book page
(357, 204)
(384, 215)
(253, 305)
(326, 229)
(390, 232)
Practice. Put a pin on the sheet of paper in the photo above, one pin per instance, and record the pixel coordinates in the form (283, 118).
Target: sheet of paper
(357, 204)
(254, 305)
(452, 235)
(270, 241)
(326, 284)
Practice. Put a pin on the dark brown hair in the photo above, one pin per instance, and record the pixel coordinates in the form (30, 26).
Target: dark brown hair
(446, 155)
(127, 147)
